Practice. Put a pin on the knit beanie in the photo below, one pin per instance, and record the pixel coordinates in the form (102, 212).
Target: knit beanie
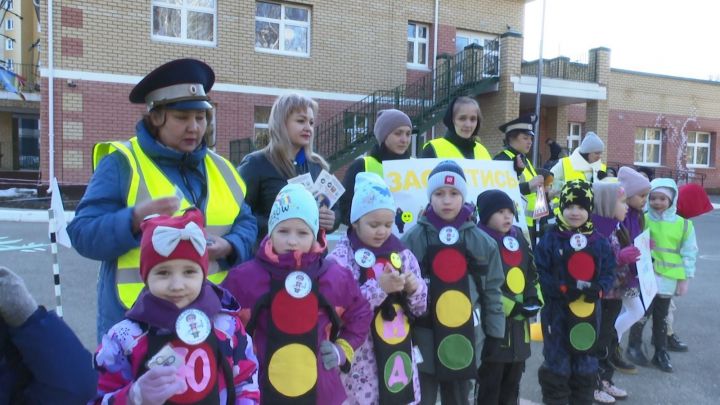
(294, 201)
(577, 192)
(592, 143)
(693, 201)
(167, 238)
(633, 182)
(491, 201)
(388, 121)
(666, 191)
(447, 174)
(371, 193)
(605, 196)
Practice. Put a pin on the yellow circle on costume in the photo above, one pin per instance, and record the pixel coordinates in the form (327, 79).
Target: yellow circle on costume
(453, 308)
(293, 370)
(582, 309)
(395, 331)
(515, 280)
(395, 260)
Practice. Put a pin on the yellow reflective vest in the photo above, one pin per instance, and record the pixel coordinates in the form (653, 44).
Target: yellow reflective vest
(669, 238)
(373, 165)
(446, 149)
(528, 174)
(569, 173)
(225, 188)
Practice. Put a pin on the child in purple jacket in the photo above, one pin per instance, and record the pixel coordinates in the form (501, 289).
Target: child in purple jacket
(306, 314)
(389, 277)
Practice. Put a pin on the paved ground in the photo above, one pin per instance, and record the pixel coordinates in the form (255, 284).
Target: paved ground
(23, 248)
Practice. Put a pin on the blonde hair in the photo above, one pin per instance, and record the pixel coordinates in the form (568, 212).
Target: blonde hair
(158, 114)
(278, 149)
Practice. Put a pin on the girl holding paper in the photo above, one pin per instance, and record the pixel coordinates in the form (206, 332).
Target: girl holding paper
(288, 154)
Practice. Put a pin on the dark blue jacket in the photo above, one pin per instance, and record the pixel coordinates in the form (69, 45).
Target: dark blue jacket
(43, 362)
(551, 268)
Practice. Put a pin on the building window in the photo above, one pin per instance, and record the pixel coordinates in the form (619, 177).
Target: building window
(356, 127)
(417, 45)
(282, 28)
(9, 24)
(9, 4)
(648, 146)
(262, 131)
(698, 149)
(9, 44)
(186, 21)
(9, 64)
(238, 149)
(28, 143)
(573, 138)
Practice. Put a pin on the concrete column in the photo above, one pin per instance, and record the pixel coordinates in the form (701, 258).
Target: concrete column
(597, 110)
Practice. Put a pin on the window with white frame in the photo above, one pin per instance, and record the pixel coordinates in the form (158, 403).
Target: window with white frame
(356, 126)
(9, 64)
(262, 129)
(186, 21)
(9, 4)
(648, 146)
(9, 44)
(9, 24)
(282, 28)
(417, 51)
(698, 149)
(573, 138)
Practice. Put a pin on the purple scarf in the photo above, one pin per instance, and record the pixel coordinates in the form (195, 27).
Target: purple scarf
(439, 223)
(497, 235)
(279, 265)
(604, 225)
(633, 223)
(162, 314)
(392, 244)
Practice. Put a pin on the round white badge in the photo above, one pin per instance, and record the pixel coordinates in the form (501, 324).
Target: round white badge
(298, 284)
(511, 243)
(578, 241)
(193, 326)
(449, 235)
(365, 258)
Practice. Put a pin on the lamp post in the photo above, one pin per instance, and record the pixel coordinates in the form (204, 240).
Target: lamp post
(539, 89)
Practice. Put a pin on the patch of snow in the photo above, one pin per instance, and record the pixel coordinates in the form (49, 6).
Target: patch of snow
(17, 192)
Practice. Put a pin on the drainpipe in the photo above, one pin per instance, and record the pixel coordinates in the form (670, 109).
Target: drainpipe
(536, 147)
(51, 96)
(435, 52)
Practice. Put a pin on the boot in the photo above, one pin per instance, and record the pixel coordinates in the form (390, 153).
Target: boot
(554, 387)
(620, 364)
(674, 344)
(634, 351)
(582, 388)
(661, 360)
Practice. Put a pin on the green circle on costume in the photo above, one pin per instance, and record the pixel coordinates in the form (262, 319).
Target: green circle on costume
(582, 309)
(455, 352)
(515, 280)
(453, 308)
(582, 336)
(398, 372)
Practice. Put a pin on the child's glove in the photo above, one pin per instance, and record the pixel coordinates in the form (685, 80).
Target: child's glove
(156, 386)
(16, 303)
(572, 293)
(490, 346)
(628, 255)
(531, 302)
(331, 355)
(592, 293)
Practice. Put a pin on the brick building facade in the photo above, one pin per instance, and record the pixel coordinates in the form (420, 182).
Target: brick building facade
(337, 53)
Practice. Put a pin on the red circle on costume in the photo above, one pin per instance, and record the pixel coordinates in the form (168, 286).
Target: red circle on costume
(370, 274)
(294, 315)
(581, 266)
(512, 259)
(449, 265)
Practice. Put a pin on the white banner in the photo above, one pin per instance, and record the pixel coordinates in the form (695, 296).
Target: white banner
(407, 180)
(646, 273)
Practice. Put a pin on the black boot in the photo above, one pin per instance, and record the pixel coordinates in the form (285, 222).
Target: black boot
(582, 389)
(554, 387)
(674, 344)
(620, 364)
(661, 360)
(634, 351)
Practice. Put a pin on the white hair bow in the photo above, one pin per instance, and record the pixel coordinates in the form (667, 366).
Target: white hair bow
(165, 239)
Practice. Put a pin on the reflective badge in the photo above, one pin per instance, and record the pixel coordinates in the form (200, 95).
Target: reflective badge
(578, 241)
(511, 243)
(365, 258)
(193, 326)
(449, 235)
(298, 284)
(395, 260)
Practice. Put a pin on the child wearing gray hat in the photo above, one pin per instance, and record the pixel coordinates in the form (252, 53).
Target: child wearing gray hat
(392, 131)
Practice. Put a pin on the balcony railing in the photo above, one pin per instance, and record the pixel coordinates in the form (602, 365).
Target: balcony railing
(561, 68)
(29, 76)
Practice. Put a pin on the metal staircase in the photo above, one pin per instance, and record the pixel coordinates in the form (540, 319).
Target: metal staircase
(349, 134)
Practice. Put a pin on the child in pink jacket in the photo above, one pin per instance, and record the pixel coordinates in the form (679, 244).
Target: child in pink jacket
(390, 280)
